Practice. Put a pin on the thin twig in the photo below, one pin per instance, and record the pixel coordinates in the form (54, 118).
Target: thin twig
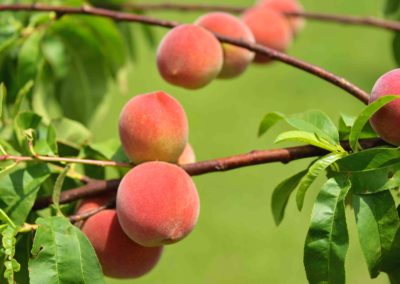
(64, 160)
(283, 155)
(127, 17)
(340, 19)
(87, 214)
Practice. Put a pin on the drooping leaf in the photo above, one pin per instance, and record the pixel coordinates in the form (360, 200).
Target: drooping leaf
(309, 138)
(281, 194)
(57, 189)
(378, 227)
(364, 116)
(8, 243)
(62, 254)
(269, 120)
(313, 172)
(327, 239)
(19, 190)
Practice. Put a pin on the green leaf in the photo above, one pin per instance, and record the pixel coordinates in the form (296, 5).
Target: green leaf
(110, 149)
(57, 189)
(313, 172)
(309, 138)
(327, 239)
(62, 254)
(281, 194)
(312, 121)
(346, 123)
(19, 190)
(392, 9)
(21, 96)
(378, 227)
(396, 47)
(29, 58)
(8, 243)
(71, 133)
(269, 120)
(364, 117)
(3, 94)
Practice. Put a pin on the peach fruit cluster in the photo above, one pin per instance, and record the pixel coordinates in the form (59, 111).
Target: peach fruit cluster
(157, 202)
(190, 56)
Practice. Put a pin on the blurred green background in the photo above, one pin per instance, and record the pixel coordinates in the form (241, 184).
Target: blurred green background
(236, 240)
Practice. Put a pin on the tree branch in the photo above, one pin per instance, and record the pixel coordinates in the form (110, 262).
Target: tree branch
(283, 155)
(127, 17)
(341, 19)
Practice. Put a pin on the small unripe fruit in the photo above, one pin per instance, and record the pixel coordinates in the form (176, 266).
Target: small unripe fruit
(153, 127)
(386, 121)
(269, 28)
(286, 6)
(189, 56)
(236, 59)
(188, 156)
(157, 203)
(119, 256)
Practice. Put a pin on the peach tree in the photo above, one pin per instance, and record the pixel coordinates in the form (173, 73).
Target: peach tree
(73, 210)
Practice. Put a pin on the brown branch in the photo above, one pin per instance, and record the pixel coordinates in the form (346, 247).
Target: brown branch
(87, 214)
(283, 155)
(341, 19)
(126, 17)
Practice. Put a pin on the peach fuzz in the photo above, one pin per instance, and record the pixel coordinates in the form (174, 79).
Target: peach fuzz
(269, 28)
(153, 127)
(188, 156)
(386, 121)
(286, 6)
(119, 256)
(157, 204)
(236, 59)
(189, 56)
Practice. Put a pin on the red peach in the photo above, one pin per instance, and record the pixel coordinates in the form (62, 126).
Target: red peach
(269, 28)
(286, 6)
(157, 203)
(189, 56)
(152, 127)
(119, 256)
(236, 59)
(188, 156)
(386, 121)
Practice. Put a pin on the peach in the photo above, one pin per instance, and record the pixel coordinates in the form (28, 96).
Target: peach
(157, 204)
(152, 127)
(189, 56)
(269, 28)
(119, 256)
(286, 6)
(92, 203)
(188, 156)
(236, 59)
(386, 121)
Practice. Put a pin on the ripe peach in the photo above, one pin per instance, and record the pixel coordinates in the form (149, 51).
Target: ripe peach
(236, 59)
(92, 203)
(119, 256)
(152, 127)
(286, 6)
(269, 28)
(157, 203)
(189, 56)
(188, 156)
(386, 121)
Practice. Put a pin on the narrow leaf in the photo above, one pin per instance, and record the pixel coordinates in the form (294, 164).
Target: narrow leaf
(57, 189)
(327, 239)
(364, 116)
(313, 172)
(306, 137)
(281, 194)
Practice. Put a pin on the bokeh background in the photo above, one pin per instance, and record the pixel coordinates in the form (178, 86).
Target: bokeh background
(236, 240)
